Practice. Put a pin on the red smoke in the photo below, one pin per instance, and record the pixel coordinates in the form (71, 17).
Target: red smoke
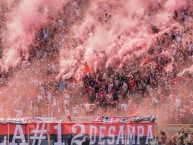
(108, 34)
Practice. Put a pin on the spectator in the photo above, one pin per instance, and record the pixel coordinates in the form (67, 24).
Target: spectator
(163, 137)
(87, 141)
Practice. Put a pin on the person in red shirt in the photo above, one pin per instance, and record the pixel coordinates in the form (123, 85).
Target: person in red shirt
(86, 68)
(132, 85)
(163, 137)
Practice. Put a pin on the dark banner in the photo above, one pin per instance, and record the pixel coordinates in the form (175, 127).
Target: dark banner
(42, 133)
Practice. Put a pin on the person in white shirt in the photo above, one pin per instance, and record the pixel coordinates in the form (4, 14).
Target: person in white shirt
(49, 97)
(75, 110)
(39, 97)
(31, 105)
(19, 112)
(177, 103)
(89, 107)
(124, 106)
(110, 86)
(54, 104)
(66, 106)
(76, 9)
(45, 32)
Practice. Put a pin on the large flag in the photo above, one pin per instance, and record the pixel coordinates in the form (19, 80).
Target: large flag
(87, 68)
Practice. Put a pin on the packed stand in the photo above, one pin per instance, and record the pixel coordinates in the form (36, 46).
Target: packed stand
(153, 81)
(182, 137)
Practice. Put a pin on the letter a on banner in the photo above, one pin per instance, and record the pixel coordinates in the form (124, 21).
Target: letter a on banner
(120, 138)
(19, 130)
(149, 133)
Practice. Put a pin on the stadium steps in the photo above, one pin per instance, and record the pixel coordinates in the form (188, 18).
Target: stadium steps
(177, 127)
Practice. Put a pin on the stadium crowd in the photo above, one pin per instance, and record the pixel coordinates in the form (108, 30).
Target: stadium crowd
(182, 137)
(151, 80)
(152, 84)
(143, 86)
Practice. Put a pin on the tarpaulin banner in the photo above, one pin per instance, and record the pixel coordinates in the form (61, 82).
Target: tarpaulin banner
(74, 133)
